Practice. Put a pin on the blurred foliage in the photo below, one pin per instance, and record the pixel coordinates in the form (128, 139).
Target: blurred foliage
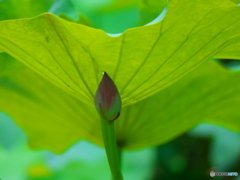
(77, 163)
(192, 156)
(109, 15)
(224, 153)
(150, 9)
(65, 8)
(14, 9)
(180, 159)
(231, 64)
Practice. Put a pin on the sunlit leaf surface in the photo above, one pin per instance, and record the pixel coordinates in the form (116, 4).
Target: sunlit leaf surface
(51, 118)
(54, 120)
(208, 94)
(142, 61)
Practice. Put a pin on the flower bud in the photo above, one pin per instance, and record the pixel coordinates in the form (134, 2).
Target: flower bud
(107, 99)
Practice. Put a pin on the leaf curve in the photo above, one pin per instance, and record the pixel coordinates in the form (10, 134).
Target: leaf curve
(142, 61)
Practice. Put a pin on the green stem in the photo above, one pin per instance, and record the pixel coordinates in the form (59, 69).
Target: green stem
(109, 139)
(120, 153)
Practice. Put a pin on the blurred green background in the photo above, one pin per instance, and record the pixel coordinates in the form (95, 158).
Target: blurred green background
(191, 156)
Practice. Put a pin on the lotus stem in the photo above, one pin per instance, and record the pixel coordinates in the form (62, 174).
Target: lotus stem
(112, 151)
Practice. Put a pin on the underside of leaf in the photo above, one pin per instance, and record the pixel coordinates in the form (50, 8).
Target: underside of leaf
(142, 61)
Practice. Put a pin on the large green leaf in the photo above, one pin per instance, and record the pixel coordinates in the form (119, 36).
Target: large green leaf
(54, 120)
(51, 118)
(208, 94)
(8, 64)
(142, 61)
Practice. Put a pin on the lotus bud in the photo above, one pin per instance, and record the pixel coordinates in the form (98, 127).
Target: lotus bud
(107, 99)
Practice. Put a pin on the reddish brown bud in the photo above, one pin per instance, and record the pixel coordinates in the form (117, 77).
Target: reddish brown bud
(107, 99)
